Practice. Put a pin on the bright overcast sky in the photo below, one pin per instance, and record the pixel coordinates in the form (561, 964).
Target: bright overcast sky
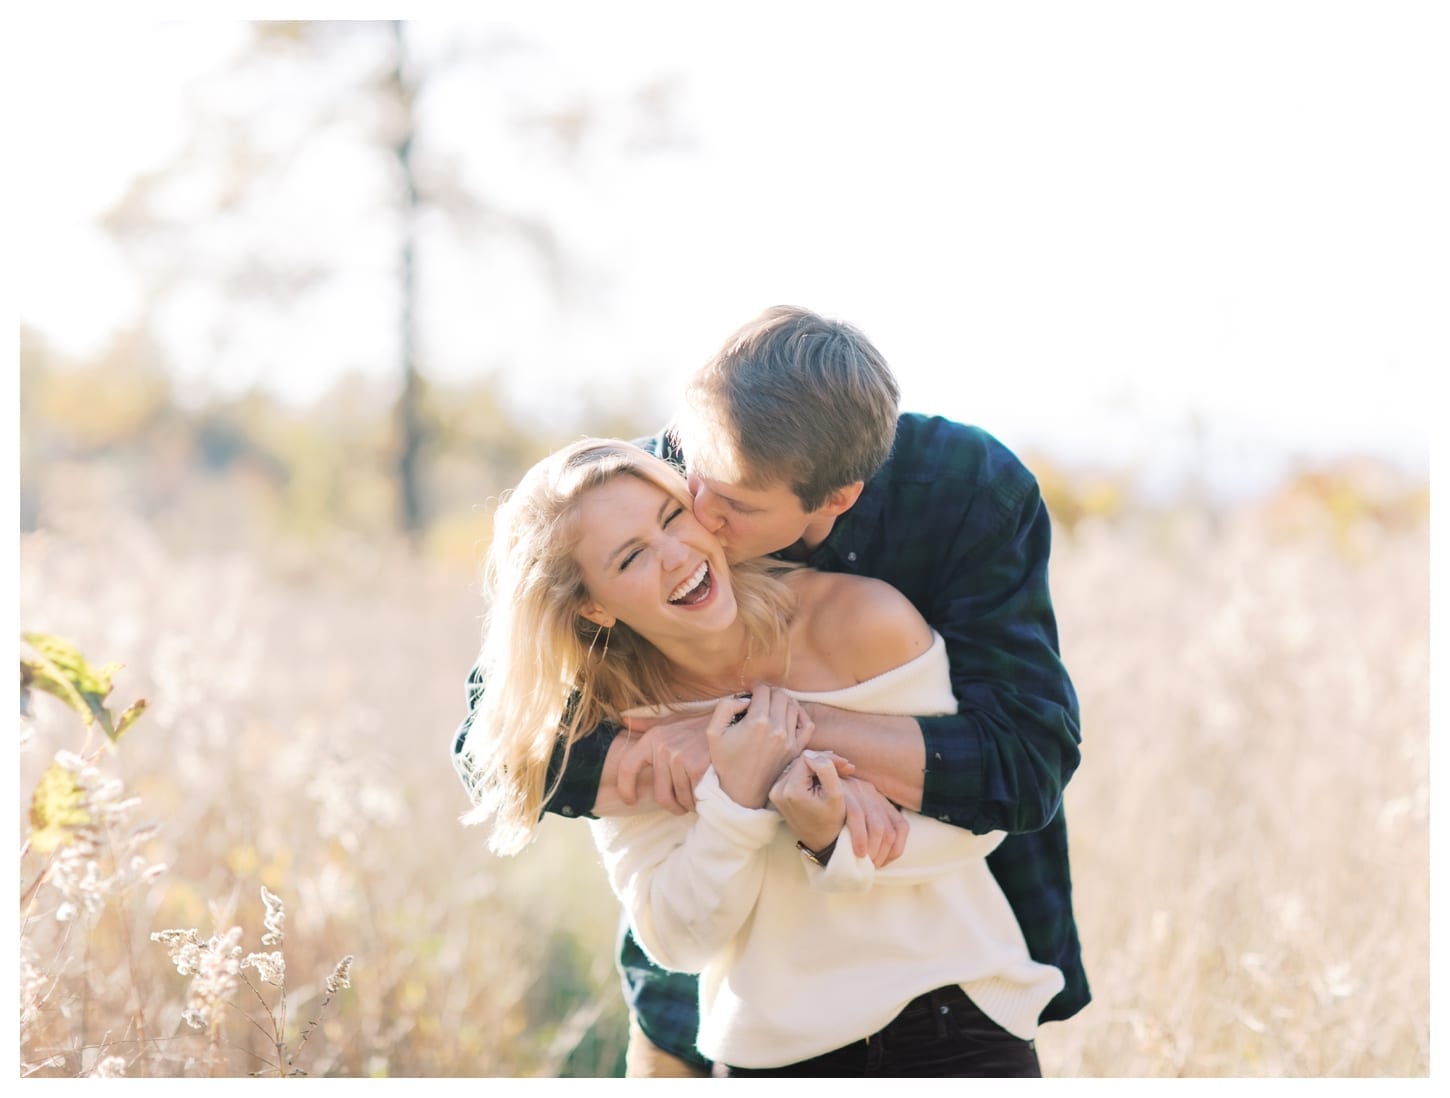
(1075, 224)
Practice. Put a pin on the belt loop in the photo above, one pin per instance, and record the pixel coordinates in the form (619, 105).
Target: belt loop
(876, 1051)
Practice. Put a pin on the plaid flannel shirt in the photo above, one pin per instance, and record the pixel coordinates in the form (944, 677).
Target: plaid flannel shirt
(955, 522)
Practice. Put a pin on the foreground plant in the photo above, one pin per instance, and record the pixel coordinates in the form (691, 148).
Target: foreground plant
(86, 856)
(217, 968)
(82, 1008)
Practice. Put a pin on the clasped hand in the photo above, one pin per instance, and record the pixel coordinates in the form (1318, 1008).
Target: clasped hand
(678, 750)
(752, 741)
(810, 798)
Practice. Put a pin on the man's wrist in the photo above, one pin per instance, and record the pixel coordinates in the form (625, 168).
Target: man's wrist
(889, 751)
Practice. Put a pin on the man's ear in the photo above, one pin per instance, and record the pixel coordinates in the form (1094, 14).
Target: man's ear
(844, 498)
(598, 615)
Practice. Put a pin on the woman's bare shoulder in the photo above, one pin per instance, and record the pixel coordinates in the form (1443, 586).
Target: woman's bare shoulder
(861, 626)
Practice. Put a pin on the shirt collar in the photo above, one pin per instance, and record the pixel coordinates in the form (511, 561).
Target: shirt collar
(848, 538)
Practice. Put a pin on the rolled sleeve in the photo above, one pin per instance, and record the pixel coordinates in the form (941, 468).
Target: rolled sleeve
(584, 770)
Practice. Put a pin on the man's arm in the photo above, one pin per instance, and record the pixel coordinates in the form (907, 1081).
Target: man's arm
(1001, 762)
(888, 751)
(579, 786)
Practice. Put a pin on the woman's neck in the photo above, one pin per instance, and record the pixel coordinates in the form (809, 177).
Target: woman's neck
(714, 666)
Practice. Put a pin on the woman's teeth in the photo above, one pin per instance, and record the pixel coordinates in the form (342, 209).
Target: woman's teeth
(689, 585)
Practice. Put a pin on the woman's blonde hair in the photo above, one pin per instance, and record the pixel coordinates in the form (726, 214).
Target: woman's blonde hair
(551, 675)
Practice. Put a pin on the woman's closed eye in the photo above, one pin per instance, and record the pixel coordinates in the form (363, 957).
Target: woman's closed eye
(664, 524)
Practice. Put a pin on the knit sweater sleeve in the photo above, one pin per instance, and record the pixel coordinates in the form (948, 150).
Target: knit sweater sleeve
(688, 882)
(933, 850)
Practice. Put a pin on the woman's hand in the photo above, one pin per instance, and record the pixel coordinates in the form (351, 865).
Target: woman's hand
(810, 797)
(752, 740)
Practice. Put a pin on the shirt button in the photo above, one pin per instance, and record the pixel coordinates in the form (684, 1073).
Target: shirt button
(567, 810)
(945, 819)
(851, 557)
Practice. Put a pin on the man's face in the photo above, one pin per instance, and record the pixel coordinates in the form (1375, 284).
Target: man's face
(751, 516)
(750, 522)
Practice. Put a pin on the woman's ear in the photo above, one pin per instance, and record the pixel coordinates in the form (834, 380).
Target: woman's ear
(598, 615)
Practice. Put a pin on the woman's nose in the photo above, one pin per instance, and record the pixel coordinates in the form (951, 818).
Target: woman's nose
(673, 552)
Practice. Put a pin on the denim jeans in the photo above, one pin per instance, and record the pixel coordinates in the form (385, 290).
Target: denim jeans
(939, 1035)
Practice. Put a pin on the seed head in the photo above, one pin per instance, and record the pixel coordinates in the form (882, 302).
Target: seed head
(271, 967)
(341, 976)
(275, 917)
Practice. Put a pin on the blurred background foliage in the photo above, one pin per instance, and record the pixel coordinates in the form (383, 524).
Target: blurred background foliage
(255, 473)
(252, 473)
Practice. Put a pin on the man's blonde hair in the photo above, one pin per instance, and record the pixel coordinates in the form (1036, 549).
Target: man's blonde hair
(551, 675)
(801, 398)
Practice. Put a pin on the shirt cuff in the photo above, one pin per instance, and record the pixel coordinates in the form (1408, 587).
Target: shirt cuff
(952, 783)
(579, 786)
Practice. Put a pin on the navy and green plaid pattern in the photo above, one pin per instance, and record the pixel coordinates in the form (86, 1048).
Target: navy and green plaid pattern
(956, 522)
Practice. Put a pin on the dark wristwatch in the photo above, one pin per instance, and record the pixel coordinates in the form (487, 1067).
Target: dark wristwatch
(821, 856)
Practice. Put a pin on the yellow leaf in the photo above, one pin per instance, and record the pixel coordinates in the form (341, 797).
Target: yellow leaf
(57, 810)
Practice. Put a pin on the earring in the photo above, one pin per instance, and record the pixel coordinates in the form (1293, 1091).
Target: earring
(600, 629)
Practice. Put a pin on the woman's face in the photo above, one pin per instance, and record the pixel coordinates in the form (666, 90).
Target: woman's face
(648, 563)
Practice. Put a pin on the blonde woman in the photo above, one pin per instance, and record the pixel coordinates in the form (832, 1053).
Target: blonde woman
(609, 600)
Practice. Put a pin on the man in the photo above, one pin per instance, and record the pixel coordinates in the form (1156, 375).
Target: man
(792, 443)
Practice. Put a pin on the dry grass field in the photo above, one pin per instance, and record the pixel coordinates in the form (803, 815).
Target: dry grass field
(1250, 825)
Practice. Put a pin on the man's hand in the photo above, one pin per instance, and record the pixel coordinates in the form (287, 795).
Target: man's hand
(677, 753)
(878, 828)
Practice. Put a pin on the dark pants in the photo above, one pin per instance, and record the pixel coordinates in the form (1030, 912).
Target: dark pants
(939, 1035)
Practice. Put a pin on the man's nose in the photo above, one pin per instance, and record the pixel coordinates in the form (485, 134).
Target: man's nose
(708, 511)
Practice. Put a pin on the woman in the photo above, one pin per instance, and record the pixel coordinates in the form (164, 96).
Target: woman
(609, 600)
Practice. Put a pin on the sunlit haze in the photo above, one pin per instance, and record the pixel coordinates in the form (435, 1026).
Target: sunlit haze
(1129, 234)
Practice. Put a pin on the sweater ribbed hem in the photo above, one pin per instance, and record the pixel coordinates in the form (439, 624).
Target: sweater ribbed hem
(1013, 1006)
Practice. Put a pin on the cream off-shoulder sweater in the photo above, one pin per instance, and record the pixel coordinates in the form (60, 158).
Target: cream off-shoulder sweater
(796, 960)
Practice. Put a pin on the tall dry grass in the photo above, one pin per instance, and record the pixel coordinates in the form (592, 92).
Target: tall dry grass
(1249, 825)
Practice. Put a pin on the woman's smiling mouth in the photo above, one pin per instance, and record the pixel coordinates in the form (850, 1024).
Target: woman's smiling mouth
(694, 589)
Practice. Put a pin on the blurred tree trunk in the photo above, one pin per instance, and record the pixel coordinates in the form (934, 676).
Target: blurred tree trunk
(243, 145)
(410, 422)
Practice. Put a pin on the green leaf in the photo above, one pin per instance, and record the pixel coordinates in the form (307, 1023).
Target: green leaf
(131, 715)
(38, 675)
(61, 670)
(57, 810)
